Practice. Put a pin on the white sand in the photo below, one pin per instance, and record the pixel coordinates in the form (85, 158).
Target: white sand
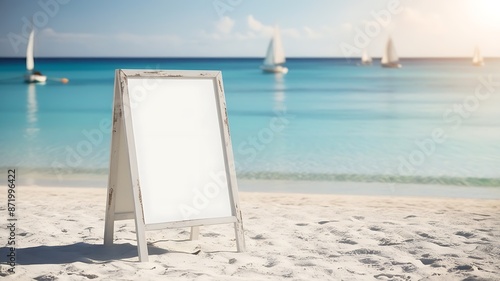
(288, 236)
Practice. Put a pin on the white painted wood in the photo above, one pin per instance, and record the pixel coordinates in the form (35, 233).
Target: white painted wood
(113, 167)
(230, 167)
(171, 159)
(134, 174)
(181, 224)
(195, 233)
(124, 200)
(124, 216)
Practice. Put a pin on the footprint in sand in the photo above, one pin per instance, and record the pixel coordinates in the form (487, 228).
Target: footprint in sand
(442, 244)
(46, 277)
(368, 261)
(271, 262)
(409, 268)
(391, 276)
(363, 251)
(427, 261)
(348, 241)
(387, 242)
(301, 224)
(89, 276)
(258, 237)
(482, 215)
(305, 263)
(464, 234)
(210, 234)
(476, 258)
(425, 235)
(464, 267)
(375, 228)
(324, 222)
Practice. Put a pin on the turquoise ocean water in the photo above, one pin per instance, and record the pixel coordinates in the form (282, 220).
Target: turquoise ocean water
(433, 121)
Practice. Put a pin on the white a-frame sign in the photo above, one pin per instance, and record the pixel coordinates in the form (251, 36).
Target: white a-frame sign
(171, 156)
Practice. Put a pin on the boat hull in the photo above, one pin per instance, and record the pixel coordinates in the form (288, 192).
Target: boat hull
(391, 65)
(35, 78)
(274, 69)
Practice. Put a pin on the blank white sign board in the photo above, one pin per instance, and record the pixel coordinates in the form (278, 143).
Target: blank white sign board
(181, 164)
(171, 158)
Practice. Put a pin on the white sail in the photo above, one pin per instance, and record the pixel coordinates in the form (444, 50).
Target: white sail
(477, 59)
(275, 56)
(275, 53)
(279, 53)
(390, 55)
(269, 60)
(30, 63)
(390, 58)
(365, 58)
(32, 76)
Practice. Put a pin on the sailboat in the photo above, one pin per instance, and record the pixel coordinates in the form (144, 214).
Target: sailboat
(365, 58)
(390, 58)
(275, 57)
(32, 76)
(477, 60)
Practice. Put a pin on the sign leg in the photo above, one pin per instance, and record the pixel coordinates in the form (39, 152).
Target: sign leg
(109, 226)
(195, 233)
(238, 230)
(108, 232)
(142, 246)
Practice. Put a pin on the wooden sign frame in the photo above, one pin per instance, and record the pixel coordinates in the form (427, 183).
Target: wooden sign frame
(126, 196)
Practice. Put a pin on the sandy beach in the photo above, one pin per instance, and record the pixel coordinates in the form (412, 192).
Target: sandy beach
(289, 237)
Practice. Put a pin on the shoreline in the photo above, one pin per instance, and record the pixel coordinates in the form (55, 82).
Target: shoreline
(48, 177)
(300, 186)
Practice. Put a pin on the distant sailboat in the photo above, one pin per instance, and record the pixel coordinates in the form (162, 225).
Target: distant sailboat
(365, 58)
(275, 57)
(32, 76)
(390, 58)
(477, 60)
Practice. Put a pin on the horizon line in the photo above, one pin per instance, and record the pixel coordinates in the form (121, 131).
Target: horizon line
(228, 57)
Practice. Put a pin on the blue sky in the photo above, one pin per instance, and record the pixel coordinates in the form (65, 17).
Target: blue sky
(242, 28)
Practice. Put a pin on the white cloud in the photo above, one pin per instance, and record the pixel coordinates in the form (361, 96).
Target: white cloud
(246, 35)
(147, 39)
(346, 27)
(259, 27)
(224, 25)
(291, 32)
(49, 32)
(252, 29)
(311, 33)
(224, 29)
(254, 24)
(123, 37)
(423, 21)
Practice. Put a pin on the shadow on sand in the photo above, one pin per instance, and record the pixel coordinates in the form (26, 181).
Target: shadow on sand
(80, 252)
